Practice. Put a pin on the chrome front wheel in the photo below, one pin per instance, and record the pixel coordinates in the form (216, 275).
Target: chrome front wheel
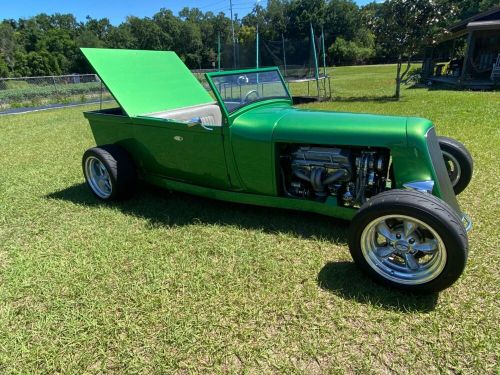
(409, 240)
(403, 249)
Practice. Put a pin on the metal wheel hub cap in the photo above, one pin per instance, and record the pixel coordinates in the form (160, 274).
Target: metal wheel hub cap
(403, 249)
(98, 177)
(453, 167)
(402, 246)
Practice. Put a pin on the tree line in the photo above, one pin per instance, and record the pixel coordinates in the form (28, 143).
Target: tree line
(49, 44)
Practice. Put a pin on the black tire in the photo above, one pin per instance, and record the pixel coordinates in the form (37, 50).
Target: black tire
(454, 152)
(120, 168)
(431, 212)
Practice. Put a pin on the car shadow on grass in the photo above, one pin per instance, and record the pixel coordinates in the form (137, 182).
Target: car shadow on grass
(345, 280)
(364, 99)
(164, 208)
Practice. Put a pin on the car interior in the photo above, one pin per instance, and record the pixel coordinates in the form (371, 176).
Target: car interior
(206, 114)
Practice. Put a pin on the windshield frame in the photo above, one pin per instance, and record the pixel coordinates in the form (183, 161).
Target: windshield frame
(219, 98)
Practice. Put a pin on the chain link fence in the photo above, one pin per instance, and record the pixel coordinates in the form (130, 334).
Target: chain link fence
(42, 91)
(28, 93)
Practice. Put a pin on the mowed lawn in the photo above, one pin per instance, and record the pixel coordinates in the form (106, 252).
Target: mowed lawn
(170, 283)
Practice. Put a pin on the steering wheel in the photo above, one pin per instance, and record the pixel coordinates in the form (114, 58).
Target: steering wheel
(247, 95)
(242, 80)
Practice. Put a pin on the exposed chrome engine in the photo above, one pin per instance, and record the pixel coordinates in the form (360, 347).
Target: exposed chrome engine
(350, 174)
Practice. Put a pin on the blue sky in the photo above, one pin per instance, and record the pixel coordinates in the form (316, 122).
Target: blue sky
(118, 10)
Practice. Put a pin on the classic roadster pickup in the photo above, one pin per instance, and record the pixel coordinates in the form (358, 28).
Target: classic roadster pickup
(245, 142)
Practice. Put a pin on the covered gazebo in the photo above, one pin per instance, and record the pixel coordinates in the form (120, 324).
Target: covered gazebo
(468, 54)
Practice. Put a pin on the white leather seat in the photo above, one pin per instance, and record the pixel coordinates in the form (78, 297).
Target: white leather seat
(209, 114)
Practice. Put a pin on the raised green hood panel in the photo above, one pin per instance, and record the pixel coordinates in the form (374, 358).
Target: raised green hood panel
(337, 128)
(285, 124)
(145, 82)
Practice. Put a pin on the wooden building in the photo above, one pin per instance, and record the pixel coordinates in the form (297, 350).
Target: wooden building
(468, 54)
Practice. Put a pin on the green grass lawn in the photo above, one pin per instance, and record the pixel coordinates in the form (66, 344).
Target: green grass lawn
(168, 282)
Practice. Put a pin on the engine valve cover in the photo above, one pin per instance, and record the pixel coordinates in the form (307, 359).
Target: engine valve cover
(329, 158)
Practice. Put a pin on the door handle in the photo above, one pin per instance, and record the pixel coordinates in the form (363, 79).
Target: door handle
(197, 121)
(206, 127)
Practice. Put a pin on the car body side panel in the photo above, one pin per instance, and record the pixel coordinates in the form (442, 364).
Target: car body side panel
(248, 146)
(328, 208)
(166, 148)
(252, 147)
(255, 133)
(174, 150)
(111, 127)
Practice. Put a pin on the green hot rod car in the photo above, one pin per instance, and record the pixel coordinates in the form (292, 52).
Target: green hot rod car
(393, 177)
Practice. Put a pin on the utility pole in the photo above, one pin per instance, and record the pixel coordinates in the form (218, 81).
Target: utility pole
(218, 52)
(316, 69)
(232, 31)
(257, 57)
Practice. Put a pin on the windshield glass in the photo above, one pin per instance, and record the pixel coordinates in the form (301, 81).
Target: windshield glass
(240, 89)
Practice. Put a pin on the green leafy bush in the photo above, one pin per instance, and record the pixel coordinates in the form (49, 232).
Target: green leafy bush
(31, 91)
(15, 85)
(346, 52)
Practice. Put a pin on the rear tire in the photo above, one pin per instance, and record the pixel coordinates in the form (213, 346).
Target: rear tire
(458, 161)
(409, 240)
(109, 172)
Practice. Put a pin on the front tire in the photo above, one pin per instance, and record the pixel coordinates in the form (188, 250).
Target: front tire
(109, 172)
(458, 161)
(409, 240)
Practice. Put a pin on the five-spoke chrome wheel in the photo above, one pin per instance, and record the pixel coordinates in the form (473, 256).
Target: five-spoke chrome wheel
(403, 249)
(98, 177)
(109, 172)
(410, 240)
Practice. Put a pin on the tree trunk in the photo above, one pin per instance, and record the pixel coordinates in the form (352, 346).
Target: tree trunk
(397, 94)
(399, 76)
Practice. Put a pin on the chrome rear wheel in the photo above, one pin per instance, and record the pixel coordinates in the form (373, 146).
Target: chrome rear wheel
(98, 177)
(109, 172)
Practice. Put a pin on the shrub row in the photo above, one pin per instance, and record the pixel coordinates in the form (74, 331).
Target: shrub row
(33, 92)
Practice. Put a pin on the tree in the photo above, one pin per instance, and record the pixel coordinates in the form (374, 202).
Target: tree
(100, 28)
(378, 31)
(21, 67)
(147, 33)
(191, 50)
(43, 64)
(88, 38)
(353, 51)
(302, 13)
(4, 69)
(342, 19)
(120, 37)
(171, 29)
(277, 17)
(8, 45)
(466, 8)
(404, 26)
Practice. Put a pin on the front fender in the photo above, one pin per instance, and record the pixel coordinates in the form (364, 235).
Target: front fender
(422, 160)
